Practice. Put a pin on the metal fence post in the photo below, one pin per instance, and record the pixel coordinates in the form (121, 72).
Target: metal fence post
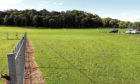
(20, 67)
(12, 68)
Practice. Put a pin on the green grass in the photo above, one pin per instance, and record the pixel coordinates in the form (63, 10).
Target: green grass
(6, 46)
(84, 56)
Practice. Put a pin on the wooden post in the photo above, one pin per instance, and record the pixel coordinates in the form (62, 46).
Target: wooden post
(12, 68)
(17, 36)
(7, 36)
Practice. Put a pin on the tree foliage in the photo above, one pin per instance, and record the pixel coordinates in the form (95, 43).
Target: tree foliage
(54, 19)
(136, 25)
(123, 24)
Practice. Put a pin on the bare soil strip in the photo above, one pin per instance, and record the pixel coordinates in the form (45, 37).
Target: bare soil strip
(32, 73)
(6, 82)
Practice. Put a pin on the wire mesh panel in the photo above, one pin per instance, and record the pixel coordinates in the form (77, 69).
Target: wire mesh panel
(16, 62)
(5, 47)
(7, 41)
(10, 35)
(3, 35)
(3, 63)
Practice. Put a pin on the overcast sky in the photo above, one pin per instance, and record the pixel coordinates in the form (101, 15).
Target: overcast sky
(128, 10)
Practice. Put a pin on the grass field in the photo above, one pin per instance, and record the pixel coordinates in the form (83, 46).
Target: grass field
(82, 56)
(6, 46)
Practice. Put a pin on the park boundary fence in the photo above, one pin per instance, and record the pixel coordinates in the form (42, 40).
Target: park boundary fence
(10, 35)
(16, 62)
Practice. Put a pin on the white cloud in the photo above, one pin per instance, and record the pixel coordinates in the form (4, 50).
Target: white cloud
(10, 1)
(58, 4)
(125, 16)
(131, 18)
(128, 17)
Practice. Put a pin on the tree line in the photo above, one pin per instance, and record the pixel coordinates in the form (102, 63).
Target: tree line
(64, 19)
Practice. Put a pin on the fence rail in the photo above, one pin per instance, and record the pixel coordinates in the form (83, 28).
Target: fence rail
(10, 35)
(16, 62)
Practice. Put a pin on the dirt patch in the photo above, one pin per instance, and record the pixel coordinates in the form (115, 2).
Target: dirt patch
(32, 73)
(6, 82)
(135, 37)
